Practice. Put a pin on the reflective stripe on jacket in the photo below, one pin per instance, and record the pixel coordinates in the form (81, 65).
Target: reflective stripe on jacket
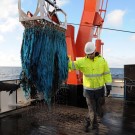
(96, 72)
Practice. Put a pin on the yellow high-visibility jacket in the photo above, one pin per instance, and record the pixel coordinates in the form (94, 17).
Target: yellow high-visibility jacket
(96, 72)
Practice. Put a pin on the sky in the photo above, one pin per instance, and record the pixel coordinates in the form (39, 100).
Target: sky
(118, 49)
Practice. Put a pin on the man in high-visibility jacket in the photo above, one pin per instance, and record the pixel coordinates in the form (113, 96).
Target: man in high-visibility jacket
(96, 75)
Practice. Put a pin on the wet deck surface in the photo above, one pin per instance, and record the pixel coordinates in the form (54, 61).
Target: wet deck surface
(119, 119)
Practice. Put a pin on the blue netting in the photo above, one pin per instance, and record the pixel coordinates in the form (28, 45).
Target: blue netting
(43, 56)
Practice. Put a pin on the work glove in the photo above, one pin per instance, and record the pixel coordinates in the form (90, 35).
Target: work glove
(108, 89)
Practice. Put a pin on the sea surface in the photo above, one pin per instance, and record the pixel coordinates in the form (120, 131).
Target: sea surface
(11, 73)
(117, 73)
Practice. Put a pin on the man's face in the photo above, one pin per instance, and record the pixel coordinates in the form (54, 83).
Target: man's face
(92, 55)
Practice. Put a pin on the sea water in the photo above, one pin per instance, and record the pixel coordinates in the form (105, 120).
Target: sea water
(11, 73)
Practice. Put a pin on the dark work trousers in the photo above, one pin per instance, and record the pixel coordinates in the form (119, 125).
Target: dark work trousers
(95, 101)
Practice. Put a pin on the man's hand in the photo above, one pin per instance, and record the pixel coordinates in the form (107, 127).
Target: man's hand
(108, 93)
(108, 89)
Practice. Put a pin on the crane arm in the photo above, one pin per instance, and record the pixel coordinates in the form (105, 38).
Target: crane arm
(91, 17)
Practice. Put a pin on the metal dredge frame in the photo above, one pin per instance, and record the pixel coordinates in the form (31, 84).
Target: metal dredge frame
(42, 13)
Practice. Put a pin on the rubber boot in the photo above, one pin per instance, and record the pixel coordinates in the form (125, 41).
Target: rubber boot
(94, 124)
(87, 124)
(99, 119)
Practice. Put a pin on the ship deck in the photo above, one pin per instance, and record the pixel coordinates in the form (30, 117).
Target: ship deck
(119, 119)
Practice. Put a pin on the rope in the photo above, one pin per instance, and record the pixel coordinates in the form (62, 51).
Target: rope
(43, 56)
(129, 84)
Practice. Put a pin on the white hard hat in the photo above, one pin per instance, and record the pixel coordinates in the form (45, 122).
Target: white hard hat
(89, 48)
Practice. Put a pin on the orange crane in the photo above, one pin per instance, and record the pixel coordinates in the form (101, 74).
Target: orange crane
(91, 23)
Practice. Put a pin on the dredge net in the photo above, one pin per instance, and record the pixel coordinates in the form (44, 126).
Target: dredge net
(44, 58)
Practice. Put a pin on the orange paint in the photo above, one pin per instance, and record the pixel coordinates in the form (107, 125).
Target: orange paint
(91, 17)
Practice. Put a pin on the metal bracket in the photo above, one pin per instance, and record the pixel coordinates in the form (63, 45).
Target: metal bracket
(42, 13)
